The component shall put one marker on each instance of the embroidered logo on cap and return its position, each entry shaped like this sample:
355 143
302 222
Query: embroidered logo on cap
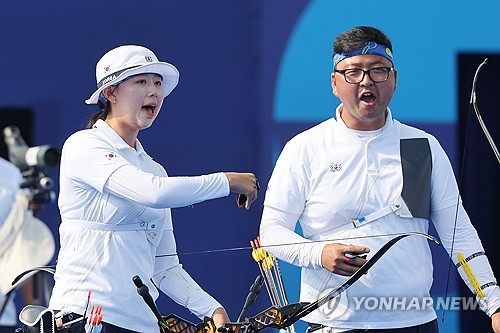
107 68
148 58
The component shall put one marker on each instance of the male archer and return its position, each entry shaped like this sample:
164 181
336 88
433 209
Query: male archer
364 173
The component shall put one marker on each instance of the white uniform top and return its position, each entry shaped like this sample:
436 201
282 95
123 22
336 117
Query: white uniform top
9 185
108 191
329 175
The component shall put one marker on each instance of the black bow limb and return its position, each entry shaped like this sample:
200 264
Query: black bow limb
282 317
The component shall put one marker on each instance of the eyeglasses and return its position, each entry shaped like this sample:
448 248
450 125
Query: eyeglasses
356 75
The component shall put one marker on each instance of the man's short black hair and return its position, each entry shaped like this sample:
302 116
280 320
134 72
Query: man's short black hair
356 37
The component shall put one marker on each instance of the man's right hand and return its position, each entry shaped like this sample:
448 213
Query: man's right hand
334 259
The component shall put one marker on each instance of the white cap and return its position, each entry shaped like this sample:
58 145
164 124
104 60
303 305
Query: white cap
124 61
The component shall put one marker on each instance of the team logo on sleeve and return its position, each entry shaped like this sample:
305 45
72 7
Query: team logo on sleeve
111 155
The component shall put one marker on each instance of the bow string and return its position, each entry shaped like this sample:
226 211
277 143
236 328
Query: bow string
472 105
245 248
285 316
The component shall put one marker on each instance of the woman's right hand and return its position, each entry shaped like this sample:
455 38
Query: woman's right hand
244 184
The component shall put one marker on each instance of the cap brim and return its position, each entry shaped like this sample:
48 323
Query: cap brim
168 72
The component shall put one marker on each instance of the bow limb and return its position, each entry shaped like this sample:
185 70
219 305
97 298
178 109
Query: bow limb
473 102
360 272
473 105
281 317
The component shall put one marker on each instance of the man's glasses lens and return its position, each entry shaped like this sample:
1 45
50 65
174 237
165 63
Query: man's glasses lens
377 74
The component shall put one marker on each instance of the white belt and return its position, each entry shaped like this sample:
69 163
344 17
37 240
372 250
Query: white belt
154 229
112 227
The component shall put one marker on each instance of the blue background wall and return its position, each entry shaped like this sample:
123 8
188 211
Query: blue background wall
253 74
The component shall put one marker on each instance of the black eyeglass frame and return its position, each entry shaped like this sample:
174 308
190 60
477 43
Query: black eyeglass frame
343 71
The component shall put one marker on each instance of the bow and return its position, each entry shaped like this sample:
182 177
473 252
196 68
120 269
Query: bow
473 103
276 317
285 316
281 317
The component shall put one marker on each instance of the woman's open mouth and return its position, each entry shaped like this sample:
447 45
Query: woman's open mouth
149 110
